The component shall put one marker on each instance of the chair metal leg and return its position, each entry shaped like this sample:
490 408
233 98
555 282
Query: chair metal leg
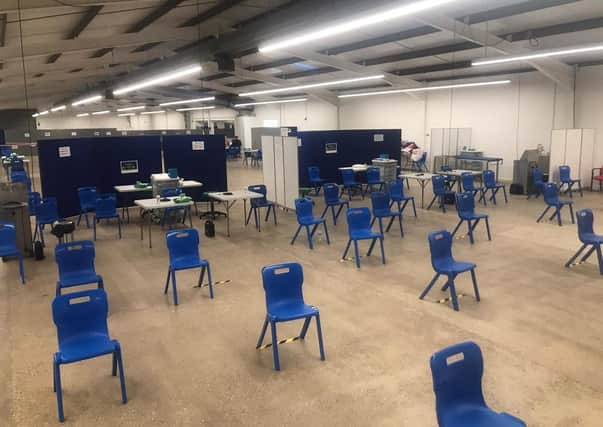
588 254
559 215
262 333
309 233
59 391
248 216
401 228
119 226
488 229
443 203
347 247
114 365
371 247
414 207
505 194
543 214
320 341
600 259
429 286
94 229
174 287
201 276
296 234
21 271
122 379
576 255
268 213
356 254
167 282
382 251
457 228
277 365
571 209
475 289
325 211
210 282
453 297
304 329
380 225
326 232
432 202
389 225
339 212
470 230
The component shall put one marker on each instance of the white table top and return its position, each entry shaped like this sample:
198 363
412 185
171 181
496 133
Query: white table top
235 195
356 168
421 176
149 204
459 172
133 189
23 158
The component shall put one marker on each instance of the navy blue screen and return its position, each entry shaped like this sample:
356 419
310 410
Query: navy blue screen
2 138
207 166
353 146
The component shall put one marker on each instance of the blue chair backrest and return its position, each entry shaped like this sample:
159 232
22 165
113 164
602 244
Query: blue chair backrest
283 284
585 223
183 243
87 196
489 178
396 189
457 378
258 189
551 193
170 192
5 151
468 184
72 257
538 179
258 155
358 219
8 235
314 173
373 174
331 193
564 173
16 164
18 176
465 203
380 201
47 210
106 205
303 208
33 200
348 177
173 172
440 247
439 184
80 313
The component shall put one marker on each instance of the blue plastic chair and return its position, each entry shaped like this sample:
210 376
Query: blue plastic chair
17 165
373 177
33 200
8 245
566 180
469 185
491 185
305 218
21 177
440 191
284 303
396 194
315 180
234 151
87 197
359 228
457 373
440 245
256 158
106 208
5 151
168 212
76 265
81 321
332 200
538 183
350 184
258 204
382 209
183 247
551 198
465 207
47 212
587 236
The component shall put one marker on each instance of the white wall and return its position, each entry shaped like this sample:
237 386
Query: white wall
310 115
505 120
589 106
68 120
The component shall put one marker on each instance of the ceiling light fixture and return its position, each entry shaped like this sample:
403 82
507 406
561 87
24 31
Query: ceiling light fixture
35 115
100 113
153 112
355 24
424 89
284 101
538 55
87 100
313 85
83 115
59 108
126 114
159 79
140 107
43 113
196 108
188 101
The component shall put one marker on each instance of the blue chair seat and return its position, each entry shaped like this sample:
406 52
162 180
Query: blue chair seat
590 239
364 234
8 251
474 215
456 267
86 346
383 213
311 220
286 312
78 278
472 416
184 263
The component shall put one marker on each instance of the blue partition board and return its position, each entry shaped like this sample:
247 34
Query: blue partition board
353 146
67 164
2 138
198 157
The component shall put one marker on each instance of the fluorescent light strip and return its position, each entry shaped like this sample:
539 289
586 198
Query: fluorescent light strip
43 113
126 114
188 101
196 108
425 89
284 101
355 24
140 107
160 79
313 85
83 115
100 113
60 108
153 112
87 100
35 115
548 54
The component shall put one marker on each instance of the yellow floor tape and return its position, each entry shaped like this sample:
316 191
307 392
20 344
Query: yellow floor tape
350 259
449 299
219 282
285 341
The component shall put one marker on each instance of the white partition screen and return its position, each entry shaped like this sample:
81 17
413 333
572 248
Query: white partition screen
281 170
268 167
574 148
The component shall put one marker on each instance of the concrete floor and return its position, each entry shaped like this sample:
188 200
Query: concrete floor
538 324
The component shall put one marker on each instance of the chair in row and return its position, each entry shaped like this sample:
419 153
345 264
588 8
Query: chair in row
565 182
359 228
256 206
350 184
307 220
551 200
8 245
442 188
589 238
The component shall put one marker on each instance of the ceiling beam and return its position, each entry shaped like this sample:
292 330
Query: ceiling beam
12 6
154 15
86 19
212 12
512 10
